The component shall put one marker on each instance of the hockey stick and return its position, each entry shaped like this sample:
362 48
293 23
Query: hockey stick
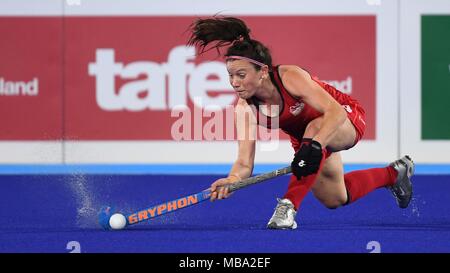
186 201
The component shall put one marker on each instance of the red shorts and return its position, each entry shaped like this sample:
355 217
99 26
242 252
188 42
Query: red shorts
357 117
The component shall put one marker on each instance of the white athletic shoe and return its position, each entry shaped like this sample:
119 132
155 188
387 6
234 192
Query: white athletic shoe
284 215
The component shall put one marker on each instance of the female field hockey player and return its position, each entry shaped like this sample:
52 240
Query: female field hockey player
320 120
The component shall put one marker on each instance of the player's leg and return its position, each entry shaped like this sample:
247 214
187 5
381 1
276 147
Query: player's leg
331 183
286 209
343 138
329 187
333 189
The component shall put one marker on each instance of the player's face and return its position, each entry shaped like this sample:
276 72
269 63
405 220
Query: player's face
244 78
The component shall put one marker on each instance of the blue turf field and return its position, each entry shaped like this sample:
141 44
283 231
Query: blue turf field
43 213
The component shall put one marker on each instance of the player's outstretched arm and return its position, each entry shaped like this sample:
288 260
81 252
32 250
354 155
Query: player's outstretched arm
243 166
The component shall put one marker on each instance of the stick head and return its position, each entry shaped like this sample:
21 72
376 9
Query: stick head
104 214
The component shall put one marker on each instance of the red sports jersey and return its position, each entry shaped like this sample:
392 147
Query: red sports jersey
295 114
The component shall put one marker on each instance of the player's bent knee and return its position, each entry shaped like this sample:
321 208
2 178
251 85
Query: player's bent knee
332 203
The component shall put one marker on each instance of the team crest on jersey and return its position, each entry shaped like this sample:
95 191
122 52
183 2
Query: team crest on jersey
347 108
297 108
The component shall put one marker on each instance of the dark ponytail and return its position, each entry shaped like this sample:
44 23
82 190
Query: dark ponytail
228 31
